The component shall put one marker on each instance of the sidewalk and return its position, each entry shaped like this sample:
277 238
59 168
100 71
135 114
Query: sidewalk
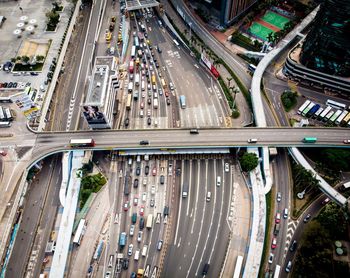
245 113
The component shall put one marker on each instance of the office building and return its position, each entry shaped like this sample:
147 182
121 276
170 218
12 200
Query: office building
327 46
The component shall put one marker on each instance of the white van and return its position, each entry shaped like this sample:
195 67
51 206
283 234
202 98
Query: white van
155 123
137 255
143 85
130 161
285 213
208 196
144 250
141 114
130 87
218 181
138 159
252 140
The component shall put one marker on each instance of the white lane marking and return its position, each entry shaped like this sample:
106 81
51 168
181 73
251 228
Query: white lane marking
178 216
200 230
195 207
189 190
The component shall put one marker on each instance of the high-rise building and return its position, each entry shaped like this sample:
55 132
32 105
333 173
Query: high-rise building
327 46
228 10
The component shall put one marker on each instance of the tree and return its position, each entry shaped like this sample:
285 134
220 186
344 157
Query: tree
314 258
332 218
336 159
248 161
303 179
53 17
25 59
270 37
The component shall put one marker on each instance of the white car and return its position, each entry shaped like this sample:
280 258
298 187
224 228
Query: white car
271 258
144 197
131 246
132 229
227 167
139 236
153 189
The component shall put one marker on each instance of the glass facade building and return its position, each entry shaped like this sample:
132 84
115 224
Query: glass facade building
327 46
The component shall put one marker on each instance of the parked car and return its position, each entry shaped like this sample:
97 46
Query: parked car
274 243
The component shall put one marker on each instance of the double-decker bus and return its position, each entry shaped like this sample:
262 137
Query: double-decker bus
335 104
81 143
303 106
131 67
133 51
251 68
128 102
341 117
5 124
80 232
136 42
335 116
325 112
307 109
238 267
346 119
309 139
183 101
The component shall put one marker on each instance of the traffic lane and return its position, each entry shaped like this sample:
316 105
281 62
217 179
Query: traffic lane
193 247
207 220
313 210
31 215
211 237
183 250
118 139
81 81
233 60
218 253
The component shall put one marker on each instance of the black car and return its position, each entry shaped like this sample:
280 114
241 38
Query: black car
146 170
142 223
136 183
168 101
149 121
15 85
307 218
159 50
34 73
144 142
138 171
149 101
293 246
125 263
4 85
157 65
126 122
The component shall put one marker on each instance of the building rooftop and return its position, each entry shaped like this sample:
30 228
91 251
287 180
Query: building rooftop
97 88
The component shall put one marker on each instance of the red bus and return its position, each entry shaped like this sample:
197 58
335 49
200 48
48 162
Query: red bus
131 67
81 143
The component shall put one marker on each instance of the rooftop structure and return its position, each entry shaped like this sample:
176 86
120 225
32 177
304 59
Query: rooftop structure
99 102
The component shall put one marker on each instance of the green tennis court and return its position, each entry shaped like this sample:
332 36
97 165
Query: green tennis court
260 30
275 19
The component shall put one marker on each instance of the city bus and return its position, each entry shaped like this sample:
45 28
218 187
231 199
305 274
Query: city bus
325 112
149 222
136 42
162 81
8 114
318 113
176 43
277 271
313 110
335 104
309 139
251 68
183 101
5 124
80 232
346 119
238 267
5 99
303 106
335 116
328 116
77 143
307 109
341 117
128 102
133 51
